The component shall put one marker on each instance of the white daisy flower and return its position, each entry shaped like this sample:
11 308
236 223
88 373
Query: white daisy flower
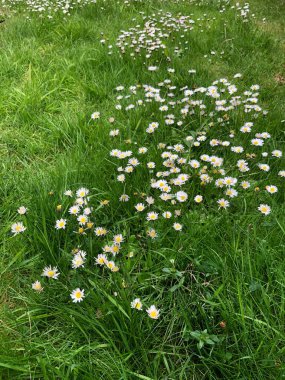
77 295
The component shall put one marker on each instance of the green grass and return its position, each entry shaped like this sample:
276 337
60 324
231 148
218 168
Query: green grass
227 266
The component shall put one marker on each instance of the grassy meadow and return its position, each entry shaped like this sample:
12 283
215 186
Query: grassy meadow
125 137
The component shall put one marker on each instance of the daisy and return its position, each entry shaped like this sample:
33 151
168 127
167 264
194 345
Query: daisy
77 295
118 239
22 210
136 304
124 198
121 177
142 150
74 210
133 161
223 203
152 68
87 211
167 214
150 130
152 233
110 264
264 209
95 115
245 129
68 193
101 259
17 228
140 207
154 124
78 260
220 182
177 226
257 142
60 224
151 165
264 167
50 272
245 184
230 181
82 219
271 189
277 153
237 149
194 164
183 177
152 216
153 312
82 192
107 248
231 193
198 199
37 286
129 169
79 201
80 231
115 249
114 132
181 196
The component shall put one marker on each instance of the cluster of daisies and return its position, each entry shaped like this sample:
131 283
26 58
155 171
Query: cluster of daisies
196 150
199 146
44 8
79 219
243 11
152 37
152 311
82 221
19 227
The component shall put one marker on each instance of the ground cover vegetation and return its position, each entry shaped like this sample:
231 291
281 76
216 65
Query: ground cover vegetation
142 189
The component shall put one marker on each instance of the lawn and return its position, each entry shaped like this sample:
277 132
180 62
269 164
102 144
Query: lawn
142 189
